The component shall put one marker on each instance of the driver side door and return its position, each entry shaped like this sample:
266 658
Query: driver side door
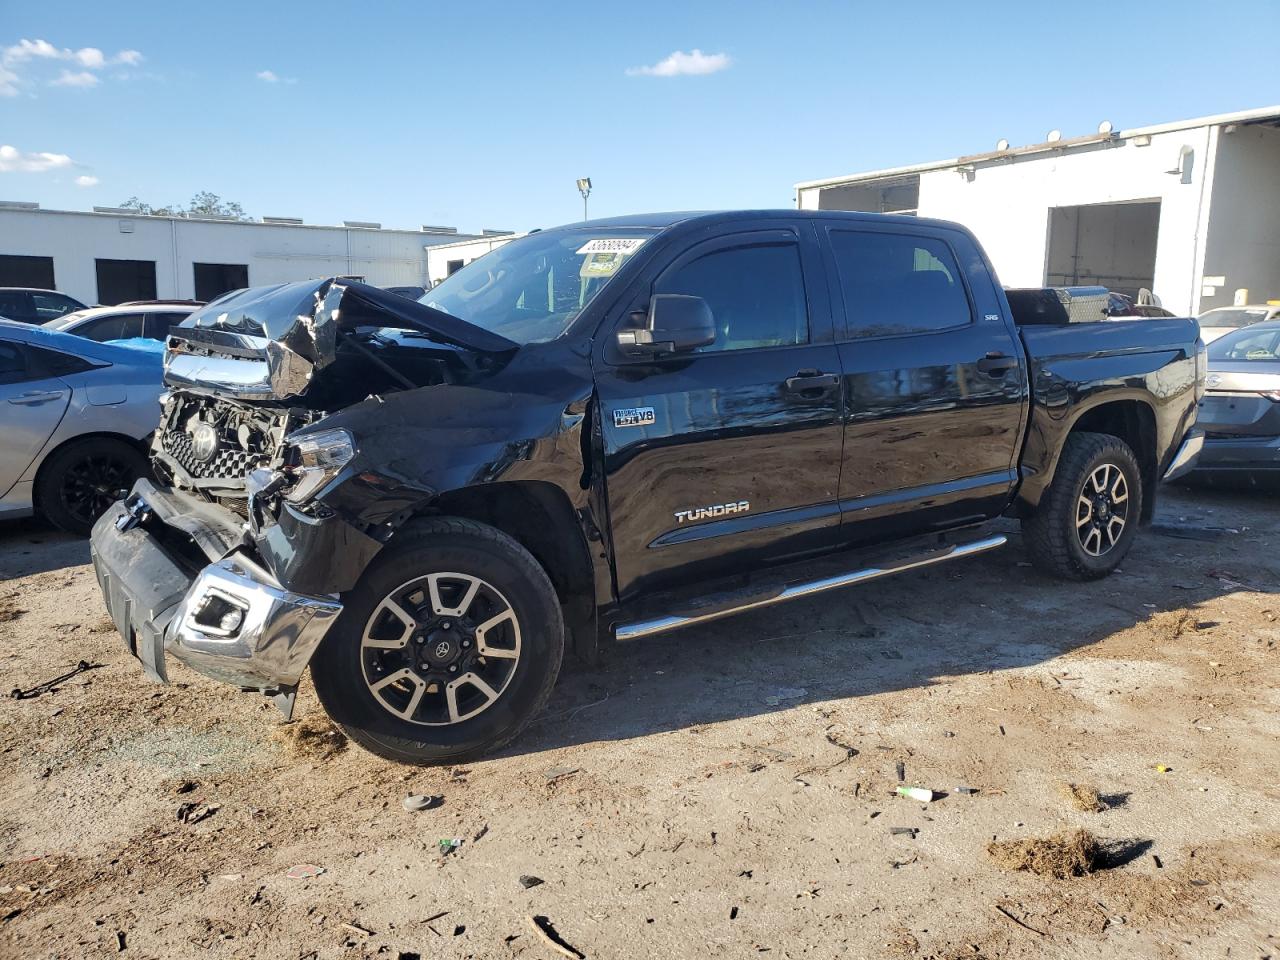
726 457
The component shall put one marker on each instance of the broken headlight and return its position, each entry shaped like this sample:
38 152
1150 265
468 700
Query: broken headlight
315 459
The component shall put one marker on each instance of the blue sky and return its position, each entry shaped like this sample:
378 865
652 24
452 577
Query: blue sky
482 115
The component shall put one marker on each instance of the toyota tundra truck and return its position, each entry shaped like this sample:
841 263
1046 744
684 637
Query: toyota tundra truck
606 431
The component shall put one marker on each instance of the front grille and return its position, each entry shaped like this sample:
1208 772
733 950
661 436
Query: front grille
227 464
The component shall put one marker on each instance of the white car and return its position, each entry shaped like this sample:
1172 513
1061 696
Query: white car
149 320
1216 323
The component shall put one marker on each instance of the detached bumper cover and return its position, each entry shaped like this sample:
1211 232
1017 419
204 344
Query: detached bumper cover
231 621
1184 461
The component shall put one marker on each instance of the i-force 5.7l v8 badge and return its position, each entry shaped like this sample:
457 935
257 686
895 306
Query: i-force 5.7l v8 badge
707 513
633 416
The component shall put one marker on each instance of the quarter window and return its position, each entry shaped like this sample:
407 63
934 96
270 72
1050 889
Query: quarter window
756 295
13 365
895 284
124 326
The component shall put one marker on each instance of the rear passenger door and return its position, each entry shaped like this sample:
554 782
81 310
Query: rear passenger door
32 403
935 387
728 456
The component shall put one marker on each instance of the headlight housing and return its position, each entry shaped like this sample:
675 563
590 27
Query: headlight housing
313 460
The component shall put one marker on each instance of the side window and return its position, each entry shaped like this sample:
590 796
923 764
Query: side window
895 284
13 364
16 305
42 363
122 326
756 295
50 306
158 324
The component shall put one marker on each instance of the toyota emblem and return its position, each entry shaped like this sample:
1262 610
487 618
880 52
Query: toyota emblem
204 441
442 649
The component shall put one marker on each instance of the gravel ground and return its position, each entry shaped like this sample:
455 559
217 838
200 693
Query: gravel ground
726 791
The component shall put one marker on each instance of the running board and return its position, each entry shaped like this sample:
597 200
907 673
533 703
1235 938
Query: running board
724 605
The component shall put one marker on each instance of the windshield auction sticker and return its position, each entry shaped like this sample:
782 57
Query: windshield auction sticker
620 245
601 264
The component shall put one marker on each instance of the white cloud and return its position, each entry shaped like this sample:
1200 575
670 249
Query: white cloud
270 76
680 64
86 181
88 58
79 78
13 160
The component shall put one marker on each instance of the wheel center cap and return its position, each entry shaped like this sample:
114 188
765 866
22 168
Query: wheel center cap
442 647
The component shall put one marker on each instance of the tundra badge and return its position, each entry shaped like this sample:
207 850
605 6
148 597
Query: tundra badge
719 510
633 416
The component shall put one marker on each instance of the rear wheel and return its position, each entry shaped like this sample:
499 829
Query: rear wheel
446 649
1087 519
78 483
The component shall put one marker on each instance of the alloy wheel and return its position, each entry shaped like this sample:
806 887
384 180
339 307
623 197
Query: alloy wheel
1102 509
440 649
93 484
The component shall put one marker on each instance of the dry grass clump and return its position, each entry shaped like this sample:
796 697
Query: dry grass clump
1083 797
1073 853
314 737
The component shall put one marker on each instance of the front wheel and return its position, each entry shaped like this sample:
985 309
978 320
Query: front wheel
80 481
446 649
1087 519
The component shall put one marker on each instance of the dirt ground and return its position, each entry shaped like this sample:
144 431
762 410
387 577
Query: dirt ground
726 791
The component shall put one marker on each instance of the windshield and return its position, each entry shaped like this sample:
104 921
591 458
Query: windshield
531 289
1233 318
1255 344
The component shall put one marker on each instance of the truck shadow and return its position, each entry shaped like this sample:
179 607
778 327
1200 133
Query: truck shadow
911 632
31 545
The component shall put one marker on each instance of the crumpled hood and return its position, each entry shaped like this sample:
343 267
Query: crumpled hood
290 332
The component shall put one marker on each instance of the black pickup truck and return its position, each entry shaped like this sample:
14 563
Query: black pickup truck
610 430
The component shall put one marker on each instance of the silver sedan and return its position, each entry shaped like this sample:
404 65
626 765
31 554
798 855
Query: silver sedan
75 418
1240 412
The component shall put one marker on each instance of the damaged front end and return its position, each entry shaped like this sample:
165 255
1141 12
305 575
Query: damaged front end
233 562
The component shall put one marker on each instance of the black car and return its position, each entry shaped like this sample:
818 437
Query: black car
606 431
32 305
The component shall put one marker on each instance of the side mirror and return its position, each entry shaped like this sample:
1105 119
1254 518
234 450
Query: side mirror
675 324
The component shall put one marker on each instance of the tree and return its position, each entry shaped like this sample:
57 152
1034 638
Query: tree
203 204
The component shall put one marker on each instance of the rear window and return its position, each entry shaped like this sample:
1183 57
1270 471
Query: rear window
895 284
1232 318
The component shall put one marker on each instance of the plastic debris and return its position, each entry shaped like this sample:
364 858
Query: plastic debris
1161 768
304 871
915 793
967 790
421 801
449 844
529 882
904 832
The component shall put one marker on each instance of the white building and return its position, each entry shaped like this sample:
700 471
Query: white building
448 258
1189 210
112 255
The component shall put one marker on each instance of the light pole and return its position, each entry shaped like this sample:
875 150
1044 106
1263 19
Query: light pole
584 188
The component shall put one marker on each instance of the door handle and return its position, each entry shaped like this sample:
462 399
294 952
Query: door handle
31 398
812 382
995 363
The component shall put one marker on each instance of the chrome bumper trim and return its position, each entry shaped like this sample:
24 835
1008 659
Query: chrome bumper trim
646 628
1185 460
275 639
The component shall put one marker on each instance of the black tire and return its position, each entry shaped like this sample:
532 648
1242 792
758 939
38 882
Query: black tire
1052 533
80 481
432 546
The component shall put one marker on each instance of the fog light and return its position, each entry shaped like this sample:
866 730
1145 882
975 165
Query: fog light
218 615
231 620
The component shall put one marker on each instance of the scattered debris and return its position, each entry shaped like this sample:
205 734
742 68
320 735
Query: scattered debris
528 881
421 801
915 793
559 773
304 871
733 913
313 737
479 834
194 811
1083 797
357 929
904 832
1070 854
49 686
1005 913
1161 768
968 791
902 771
450 844
545 932
120 941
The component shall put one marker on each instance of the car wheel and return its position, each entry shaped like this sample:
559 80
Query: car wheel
447 647
1087 519
77 484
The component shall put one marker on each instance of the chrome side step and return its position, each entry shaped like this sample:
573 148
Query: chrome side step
647 628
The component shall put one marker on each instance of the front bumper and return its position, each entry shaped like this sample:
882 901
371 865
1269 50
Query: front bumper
162 601
1184 461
